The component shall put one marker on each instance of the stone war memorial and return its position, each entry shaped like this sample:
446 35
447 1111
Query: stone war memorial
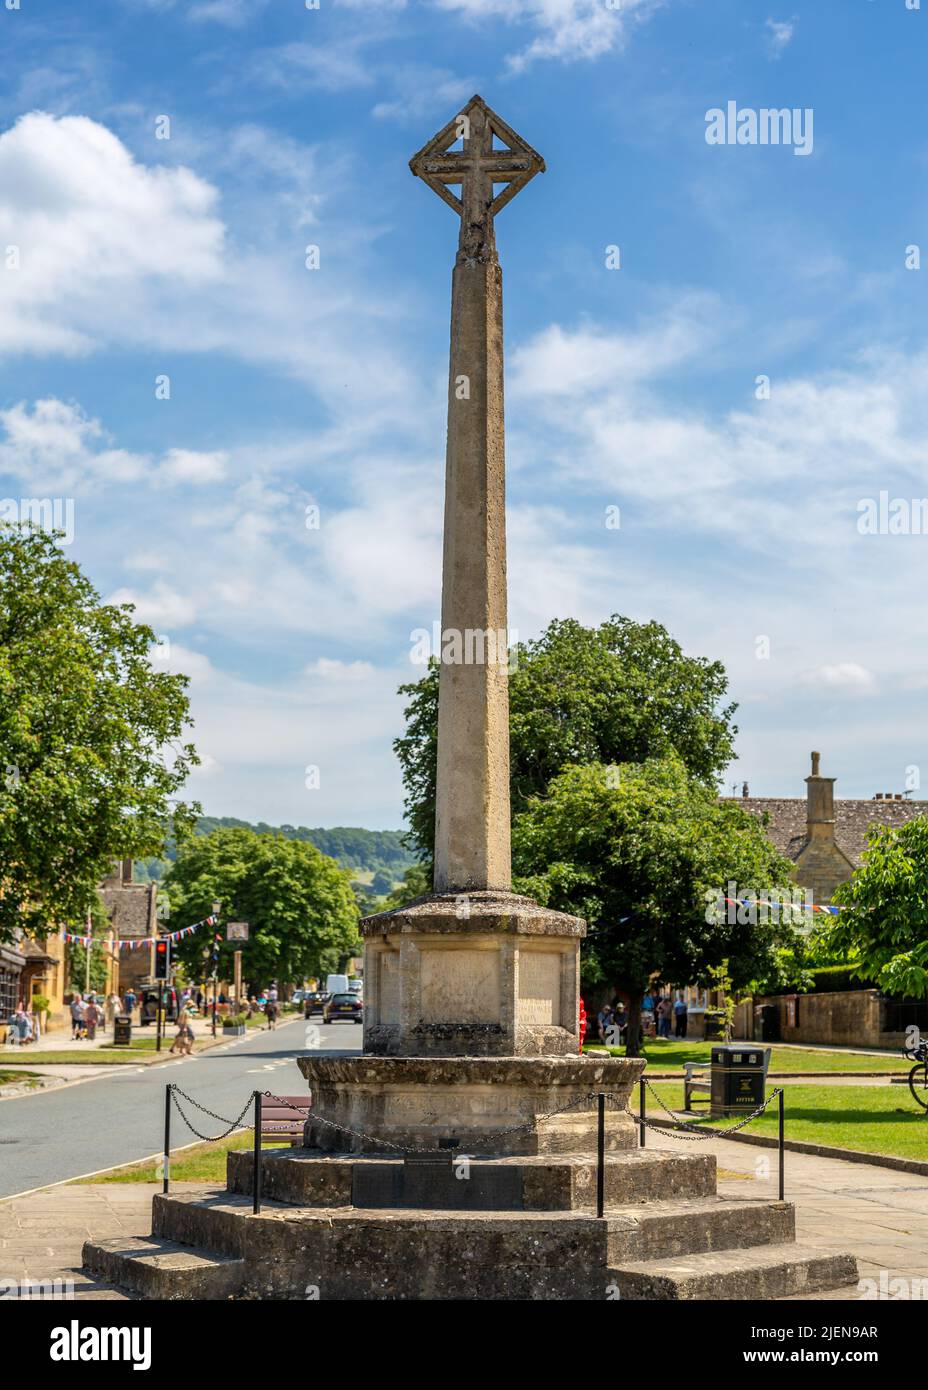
456 1158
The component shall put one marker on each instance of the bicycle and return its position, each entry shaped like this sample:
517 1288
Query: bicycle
918 1076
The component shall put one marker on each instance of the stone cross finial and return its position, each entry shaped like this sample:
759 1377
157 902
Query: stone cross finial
815 762
477 167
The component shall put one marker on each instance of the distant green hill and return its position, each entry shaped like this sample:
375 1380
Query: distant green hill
377 858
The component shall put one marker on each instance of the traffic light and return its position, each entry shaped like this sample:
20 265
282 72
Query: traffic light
162 959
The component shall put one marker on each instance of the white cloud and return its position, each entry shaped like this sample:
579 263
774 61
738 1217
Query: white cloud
846 676
569 30
330 670
778 34
162 607
56 447
86 218
189 466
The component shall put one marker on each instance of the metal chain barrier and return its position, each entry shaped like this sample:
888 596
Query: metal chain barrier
210 1138
695 1132
674 1130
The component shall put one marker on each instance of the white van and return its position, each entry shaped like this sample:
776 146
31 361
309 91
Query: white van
336 984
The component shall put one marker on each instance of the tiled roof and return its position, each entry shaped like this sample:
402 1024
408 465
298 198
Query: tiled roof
786 825
131 907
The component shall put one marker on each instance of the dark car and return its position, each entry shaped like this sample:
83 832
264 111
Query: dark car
314 1001
148 1005
347 1007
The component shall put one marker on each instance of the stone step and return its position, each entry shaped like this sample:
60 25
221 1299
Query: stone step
163 1268
306 1178
765 1272
668 1230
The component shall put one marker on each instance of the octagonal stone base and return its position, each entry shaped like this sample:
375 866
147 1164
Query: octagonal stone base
471 974
474 1105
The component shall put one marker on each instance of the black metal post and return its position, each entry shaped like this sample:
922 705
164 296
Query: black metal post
256 1186
601 1155
780 1098
215 988
642 1104
167 1137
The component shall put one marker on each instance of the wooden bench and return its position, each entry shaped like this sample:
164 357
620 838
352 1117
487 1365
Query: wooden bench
282 1121
696 1076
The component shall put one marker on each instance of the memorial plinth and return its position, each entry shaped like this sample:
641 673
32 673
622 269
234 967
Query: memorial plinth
489 1105
481 974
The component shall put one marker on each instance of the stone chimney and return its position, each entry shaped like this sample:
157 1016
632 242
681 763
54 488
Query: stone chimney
820 804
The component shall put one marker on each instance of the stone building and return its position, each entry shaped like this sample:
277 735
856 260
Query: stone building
133 912
826 838
32 966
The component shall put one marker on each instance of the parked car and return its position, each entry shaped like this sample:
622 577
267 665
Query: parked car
148 1005
314 1001
348 1008
356 986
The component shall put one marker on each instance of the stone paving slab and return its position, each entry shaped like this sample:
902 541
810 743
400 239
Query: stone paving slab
42 1235
878 1214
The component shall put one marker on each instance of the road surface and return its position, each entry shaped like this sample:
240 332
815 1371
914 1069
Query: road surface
118 1118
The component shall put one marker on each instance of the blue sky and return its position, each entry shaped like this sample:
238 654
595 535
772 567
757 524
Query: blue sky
138 257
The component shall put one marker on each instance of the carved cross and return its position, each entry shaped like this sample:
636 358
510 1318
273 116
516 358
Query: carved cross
477 168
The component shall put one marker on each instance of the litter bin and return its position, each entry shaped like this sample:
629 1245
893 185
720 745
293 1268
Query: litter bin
737 1079
122 1030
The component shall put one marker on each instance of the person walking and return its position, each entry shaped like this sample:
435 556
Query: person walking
270 1010
183 1039
77 1008
92 1017
679 1017
664 1011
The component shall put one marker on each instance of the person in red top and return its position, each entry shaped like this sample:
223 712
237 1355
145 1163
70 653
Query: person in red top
582 1023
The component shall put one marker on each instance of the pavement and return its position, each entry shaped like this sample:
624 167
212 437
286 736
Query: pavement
878 1214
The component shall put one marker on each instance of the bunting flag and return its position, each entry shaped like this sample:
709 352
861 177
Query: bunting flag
133 942
804 908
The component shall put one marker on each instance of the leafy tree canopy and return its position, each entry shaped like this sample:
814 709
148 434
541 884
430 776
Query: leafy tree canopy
643 852
298 904
883 930
89 752
619 693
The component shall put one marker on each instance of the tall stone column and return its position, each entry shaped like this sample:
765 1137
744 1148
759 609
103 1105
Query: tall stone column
472 790
470 992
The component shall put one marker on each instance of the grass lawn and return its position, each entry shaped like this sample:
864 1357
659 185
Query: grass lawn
869 1119
8 1078
666 1054
93 1055
203 1163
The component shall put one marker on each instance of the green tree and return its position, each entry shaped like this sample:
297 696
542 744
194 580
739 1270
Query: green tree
883 928
89 752
619 693
643 852
417 881
298 903
100 930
